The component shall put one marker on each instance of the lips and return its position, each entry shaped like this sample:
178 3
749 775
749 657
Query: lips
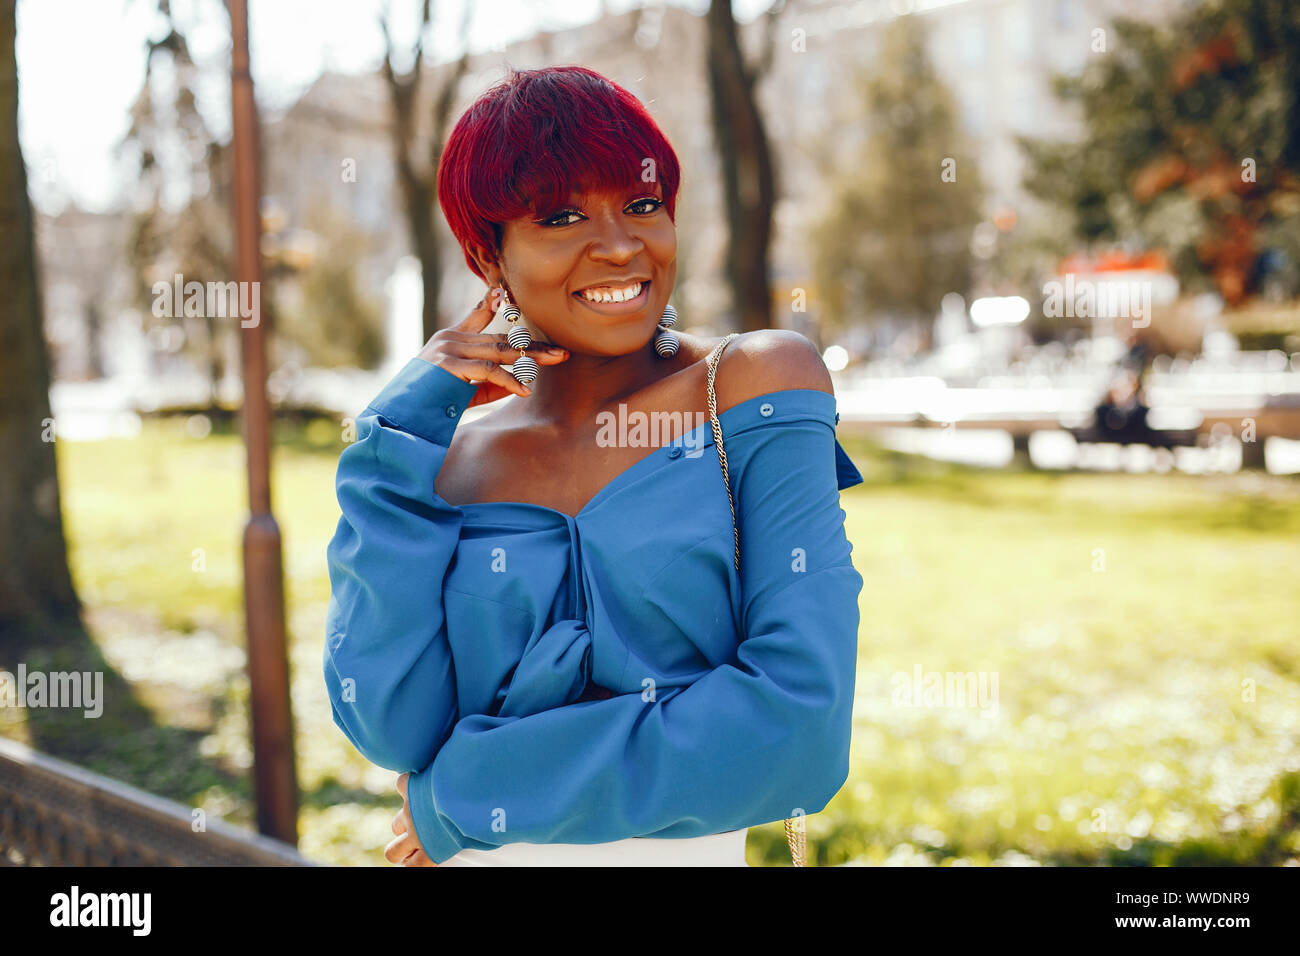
615 282
627 307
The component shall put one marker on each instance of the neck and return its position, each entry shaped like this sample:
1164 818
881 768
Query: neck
573 392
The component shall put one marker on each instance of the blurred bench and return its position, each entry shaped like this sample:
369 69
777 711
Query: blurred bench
53 813
1135 423
1152 437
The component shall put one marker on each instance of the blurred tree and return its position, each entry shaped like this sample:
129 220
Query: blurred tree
748 176
40 613
181 223
35 585
418 177
1191 144
323 310
897 236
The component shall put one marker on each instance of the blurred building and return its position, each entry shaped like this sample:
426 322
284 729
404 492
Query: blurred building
999 57
330 155
328 158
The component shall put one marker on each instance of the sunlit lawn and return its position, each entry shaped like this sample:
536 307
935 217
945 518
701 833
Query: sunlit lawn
1144 632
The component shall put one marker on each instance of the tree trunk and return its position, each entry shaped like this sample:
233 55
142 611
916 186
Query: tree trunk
417 181
419 218
747 174
94 340
35 585
215 365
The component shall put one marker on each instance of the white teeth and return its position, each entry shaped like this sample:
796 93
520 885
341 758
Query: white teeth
605 294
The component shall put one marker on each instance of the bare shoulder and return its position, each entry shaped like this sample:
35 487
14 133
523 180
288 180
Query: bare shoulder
769 360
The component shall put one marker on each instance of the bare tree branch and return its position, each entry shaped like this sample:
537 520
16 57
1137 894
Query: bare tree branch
748 176
447 95
418 180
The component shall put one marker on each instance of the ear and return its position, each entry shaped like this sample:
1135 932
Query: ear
488 264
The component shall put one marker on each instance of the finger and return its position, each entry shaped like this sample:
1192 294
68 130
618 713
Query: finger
460 336
497 349
488 392
478 371
486 370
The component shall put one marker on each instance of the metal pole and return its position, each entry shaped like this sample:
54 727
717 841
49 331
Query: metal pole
274 780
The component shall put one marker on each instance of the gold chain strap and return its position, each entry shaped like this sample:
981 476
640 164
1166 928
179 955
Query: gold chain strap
798 844
717 438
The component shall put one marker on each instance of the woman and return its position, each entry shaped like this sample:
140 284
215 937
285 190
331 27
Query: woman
561 640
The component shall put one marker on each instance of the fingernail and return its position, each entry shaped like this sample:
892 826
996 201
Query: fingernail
554 351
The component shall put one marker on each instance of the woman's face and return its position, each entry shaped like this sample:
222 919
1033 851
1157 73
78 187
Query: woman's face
609 241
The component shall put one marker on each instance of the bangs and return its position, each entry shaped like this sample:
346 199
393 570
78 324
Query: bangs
614 163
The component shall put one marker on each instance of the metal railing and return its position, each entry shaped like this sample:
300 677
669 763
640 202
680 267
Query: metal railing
53 813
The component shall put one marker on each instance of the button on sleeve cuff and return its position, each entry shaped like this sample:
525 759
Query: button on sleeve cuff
425 400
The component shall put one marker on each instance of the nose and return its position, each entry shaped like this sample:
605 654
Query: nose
616 241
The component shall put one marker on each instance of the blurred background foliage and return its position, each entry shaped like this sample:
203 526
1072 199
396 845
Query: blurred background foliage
897 234
1191 145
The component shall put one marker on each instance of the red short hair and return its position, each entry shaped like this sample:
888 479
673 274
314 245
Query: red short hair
529 141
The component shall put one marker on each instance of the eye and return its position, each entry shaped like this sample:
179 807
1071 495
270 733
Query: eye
656 204
552 221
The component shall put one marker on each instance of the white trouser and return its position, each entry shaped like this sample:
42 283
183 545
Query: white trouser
717 849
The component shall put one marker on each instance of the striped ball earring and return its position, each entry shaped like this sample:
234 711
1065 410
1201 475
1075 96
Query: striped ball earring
525 369
666 341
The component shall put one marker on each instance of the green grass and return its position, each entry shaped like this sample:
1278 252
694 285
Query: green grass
1125 617
1143 630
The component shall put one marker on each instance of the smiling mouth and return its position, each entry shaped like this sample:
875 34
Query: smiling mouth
609 303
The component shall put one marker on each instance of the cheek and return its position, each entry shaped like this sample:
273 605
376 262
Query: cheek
535 262
543 269
662 243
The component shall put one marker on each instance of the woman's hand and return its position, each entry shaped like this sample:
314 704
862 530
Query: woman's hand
469 354
405 850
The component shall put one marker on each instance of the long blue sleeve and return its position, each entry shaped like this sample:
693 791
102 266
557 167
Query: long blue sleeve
748 743
387 664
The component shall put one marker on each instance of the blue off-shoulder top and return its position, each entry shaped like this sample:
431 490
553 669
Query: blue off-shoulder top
464 643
